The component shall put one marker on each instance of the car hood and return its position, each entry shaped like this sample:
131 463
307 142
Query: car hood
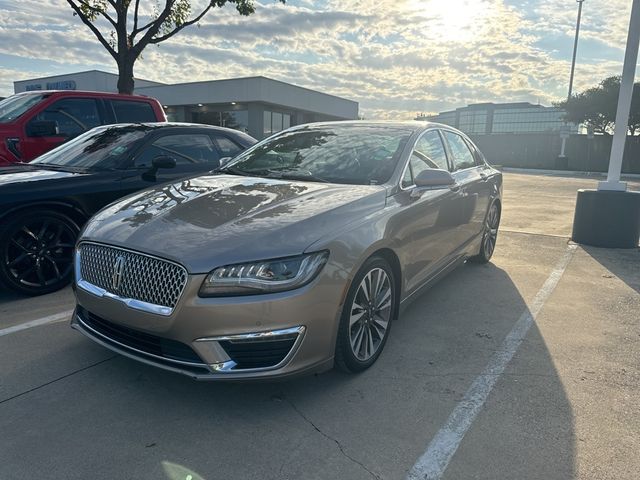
18 176
208 221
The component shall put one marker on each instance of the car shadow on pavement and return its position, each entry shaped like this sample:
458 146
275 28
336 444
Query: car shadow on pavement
123 419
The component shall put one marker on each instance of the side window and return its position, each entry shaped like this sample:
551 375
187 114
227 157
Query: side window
186 149
428 153
417 164
462 157
73 115
477 154
227 147
430 146
128 111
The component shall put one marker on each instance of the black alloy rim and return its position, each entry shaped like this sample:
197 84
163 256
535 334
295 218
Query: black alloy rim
40 253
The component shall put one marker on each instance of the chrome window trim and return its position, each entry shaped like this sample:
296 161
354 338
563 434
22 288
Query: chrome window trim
132 303
406 165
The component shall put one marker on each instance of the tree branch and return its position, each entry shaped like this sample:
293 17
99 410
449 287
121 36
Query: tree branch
93 28
135 19
180 27
97 10
153 27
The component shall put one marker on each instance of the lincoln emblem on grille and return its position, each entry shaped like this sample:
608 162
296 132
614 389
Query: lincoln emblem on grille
118 269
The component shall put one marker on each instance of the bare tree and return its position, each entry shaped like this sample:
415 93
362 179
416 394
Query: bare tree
130 31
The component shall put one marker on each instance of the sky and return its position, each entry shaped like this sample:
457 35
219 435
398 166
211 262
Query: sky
396 58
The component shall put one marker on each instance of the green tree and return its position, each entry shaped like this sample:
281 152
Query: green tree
596 107
129 31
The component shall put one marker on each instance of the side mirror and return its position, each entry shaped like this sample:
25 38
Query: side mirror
163 161
43 128
432 179
224 160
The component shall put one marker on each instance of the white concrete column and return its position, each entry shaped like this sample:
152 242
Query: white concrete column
624 104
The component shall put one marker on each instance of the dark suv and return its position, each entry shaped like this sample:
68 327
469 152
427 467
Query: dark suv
33 123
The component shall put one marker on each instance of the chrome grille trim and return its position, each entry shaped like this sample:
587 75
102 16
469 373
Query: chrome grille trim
136 285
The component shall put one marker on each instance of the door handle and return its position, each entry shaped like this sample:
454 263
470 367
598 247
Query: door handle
455 187
484 176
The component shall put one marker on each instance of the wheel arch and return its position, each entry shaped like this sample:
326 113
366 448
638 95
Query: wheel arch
69 209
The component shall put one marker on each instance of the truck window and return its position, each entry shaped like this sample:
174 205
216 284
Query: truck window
73 115
128 111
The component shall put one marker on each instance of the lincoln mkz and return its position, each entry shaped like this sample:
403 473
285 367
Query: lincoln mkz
297 255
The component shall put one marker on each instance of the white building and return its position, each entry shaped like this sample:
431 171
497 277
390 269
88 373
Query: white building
259 106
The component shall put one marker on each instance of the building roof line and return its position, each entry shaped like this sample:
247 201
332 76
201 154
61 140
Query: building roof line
251 78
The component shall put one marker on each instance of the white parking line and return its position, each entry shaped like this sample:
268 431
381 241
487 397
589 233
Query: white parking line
434 461
36 323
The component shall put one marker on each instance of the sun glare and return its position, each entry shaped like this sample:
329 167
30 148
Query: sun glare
452 20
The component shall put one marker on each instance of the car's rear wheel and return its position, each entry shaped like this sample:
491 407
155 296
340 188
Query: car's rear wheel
366 316
36 252
489 236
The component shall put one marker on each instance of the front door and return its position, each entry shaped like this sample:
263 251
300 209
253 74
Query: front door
73 117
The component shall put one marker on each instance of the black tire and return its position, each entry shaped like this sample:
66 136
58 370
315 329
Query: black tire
371 320
489 235
36 251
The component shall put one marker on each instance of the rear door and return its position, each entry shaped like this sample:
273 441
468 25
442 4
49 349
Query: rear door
474 188
72 115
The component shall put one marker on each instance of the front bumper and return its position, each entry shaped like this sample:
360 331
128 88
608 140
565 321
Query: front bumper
262 336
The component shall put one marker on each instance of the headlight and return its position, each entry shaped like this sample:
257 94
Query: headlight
263 277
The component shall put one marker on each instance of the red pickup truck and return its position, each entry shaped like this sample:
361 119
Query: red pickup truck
32 123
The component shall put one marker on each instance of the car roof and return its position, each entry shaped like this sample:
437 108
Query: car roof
407 124
84 93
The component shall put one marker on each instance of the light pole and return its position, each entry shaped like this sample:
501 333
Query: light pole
610 215
575 48
563 158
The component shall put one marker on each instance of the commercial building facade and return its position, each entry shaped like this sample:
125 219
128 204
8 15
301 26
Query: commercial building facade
258 105
503 118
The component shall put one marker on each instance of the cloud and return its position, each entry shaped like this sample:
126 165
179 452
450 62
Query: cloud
395 57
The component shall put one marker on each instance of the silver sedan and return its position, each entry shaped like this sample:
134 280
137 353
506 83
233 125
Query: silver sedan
295 256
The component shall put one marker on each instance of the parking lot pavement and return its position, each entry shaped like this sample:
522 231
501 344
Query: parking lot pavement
566 405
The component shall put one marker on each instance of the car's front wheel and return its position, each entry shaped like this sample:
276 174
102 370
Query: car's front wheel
36 252
366 316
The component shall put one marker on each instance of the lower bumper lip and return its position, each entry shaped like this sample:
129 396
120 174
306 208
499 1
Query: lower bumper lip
216 364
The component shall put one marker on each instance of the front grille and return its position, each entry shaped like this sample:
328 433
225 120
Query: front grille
141 341
259 353
144 278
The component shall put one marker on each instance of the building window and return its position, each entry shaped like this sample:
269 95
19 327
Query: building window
236 119
266 123
275 122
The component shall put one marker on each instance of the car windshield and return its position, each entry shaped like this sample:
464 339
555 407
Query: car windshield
100 148
352 154
14 106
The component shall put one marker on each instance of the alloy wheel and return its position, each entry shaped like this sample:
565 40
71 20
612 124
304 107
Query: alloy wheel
39 253
370 314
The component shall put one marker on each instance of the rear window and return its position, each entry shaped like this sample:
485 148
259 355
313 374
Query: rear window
128 111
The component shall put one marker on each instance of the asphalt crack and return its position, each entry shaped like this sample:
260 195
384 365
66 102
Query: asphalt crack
57 379
330 438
